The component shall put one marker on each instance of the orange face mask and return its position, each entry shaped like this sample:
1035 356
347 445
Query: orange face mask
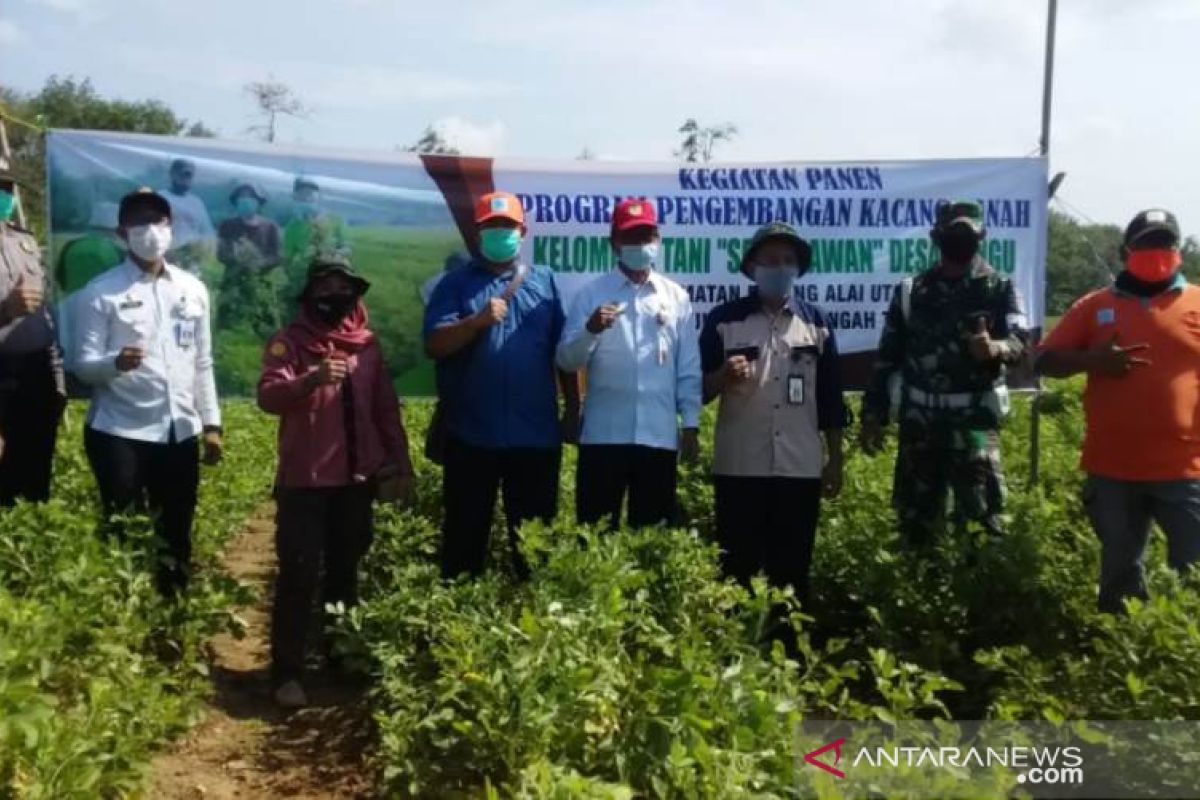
1153 266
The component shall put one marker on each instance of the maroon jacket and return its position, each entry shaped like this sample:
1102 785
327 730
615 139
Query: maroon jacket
314 423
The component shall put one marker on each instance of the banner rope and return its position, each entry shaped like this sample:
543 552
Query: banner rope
8 115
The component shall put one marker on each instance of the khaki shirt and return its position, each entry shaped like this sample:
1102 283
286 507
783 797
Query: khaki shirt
770 425
19 256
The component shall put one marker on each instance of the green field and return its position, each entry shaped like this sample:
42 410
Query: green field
626 667
397 261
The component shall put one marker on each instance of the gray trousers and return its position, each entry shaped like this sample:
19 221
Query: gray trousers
1121 513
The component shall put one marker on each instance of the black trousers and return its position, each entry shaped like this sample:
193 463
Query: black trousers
607 472
768 525
159 479
30 410
526 477
321 535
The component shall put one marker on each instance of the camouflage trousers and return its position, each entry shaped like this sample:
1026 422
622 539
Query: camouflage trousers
938 454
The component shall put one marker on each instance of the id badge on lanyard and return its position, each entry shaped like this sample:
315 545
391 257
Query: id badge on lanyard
795 381
185 334
795 387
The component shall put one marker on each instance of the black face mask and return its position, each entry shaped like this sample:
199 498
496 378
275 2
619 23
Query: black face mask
332 308
958 246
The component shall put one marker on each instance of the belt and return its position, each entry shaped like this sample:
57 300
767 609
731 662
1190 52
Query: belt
954 400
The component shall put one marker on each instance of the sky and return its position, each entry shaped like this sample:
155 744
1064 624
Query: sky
801 79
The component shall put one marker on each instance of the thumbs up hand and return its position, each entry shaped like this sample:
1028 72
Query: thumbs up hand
980 344
24 299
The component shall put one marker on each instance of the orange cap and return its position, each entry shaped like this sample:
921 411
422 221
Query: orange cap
503 205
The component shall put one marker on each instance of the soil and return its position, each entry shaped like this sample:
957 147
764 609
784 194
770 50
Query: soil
246 746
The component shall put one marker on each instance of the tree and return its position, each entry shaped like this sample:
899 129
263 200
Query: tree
274 98
1079 258
72 103
433 142
699 142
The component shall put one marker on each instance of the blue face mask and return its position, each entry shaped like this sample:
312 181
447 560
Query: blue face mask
7 203
500 245
775 282
306 208
246 206
638 257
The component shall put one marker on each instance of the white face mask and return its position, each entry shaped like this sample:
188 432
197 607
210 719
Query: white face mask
638 257
150 242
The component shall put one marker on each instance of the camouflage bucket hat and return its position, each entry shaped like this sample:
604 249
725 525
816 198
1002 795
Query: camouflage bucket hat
335 264
960 212
782 232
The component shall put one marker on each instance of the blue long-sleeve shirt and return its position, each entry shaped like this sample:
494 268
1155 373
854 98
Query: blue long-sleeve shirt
643 373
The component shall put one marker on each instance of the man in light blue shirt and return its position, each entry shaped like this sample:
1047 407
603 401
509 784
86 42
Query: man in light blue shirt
634 332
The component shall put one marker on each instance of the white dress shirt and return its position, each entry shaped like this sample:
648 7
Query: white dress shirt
643 373
168 316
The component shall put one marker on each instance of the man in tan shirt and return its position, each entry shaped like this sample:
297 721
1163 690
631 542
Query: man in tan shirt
32 393
773 361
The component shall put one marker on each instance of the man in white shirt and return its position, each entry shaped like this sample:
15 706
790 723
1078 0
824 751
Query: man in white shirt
634 331
145 345
193 237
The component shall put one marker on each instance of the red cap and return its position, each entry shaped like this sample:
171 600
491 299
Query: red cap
503 205
634 213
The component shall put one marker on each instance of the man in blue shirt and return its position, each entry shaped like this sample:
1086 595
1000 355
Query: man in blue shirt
492 328
634 331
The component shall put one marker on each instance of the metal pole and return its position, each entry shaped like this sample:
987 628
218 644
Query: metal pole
1035 417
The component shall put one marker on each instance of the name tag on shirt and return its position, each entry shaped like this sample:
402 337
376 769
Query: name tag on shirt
185 334
1106 316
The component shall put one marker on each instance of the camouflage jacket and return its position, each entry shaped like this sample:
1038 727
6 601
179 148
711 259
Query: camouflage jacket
929 348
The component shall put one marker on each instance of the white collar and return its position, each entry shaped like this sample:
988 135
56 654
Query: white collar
654 280
137 274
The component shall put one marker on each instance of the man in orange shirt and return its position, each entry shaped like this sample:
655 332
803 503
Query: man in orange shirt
1139 343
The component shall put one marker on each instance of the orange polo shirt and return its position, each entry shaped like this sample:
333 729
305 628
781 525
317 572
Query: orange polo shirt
1144 426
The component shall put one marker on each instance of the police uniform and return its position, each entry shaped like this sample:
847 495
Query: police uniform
32 393
949 405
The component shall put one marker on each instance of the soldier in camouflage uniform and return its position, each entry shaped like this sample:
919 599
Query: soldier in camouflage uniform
948 336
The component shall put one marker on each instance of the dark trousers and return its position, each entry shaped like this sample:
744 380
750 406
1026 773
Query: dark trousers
607 472
768 525
30 410
527 478
159 479
321 534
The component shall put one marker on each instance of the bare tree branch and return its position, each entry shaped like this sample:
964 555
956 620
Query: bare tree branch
274 98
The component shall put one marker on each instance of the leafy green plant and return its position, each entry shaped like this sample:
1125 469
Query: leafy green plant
96 671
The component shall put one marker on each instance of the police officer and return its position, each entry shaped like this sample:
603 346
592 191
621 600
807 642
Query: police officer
947 338
32 392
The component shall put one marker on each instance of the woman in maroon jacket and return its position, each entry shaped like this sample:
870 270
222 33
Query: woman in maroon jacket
341 442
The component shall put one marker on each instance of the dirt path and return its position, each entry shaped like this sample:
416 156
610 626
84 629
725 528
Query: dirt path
246 747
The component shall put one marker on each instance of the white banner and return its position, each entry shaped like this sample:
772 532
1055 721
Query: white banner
868 223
